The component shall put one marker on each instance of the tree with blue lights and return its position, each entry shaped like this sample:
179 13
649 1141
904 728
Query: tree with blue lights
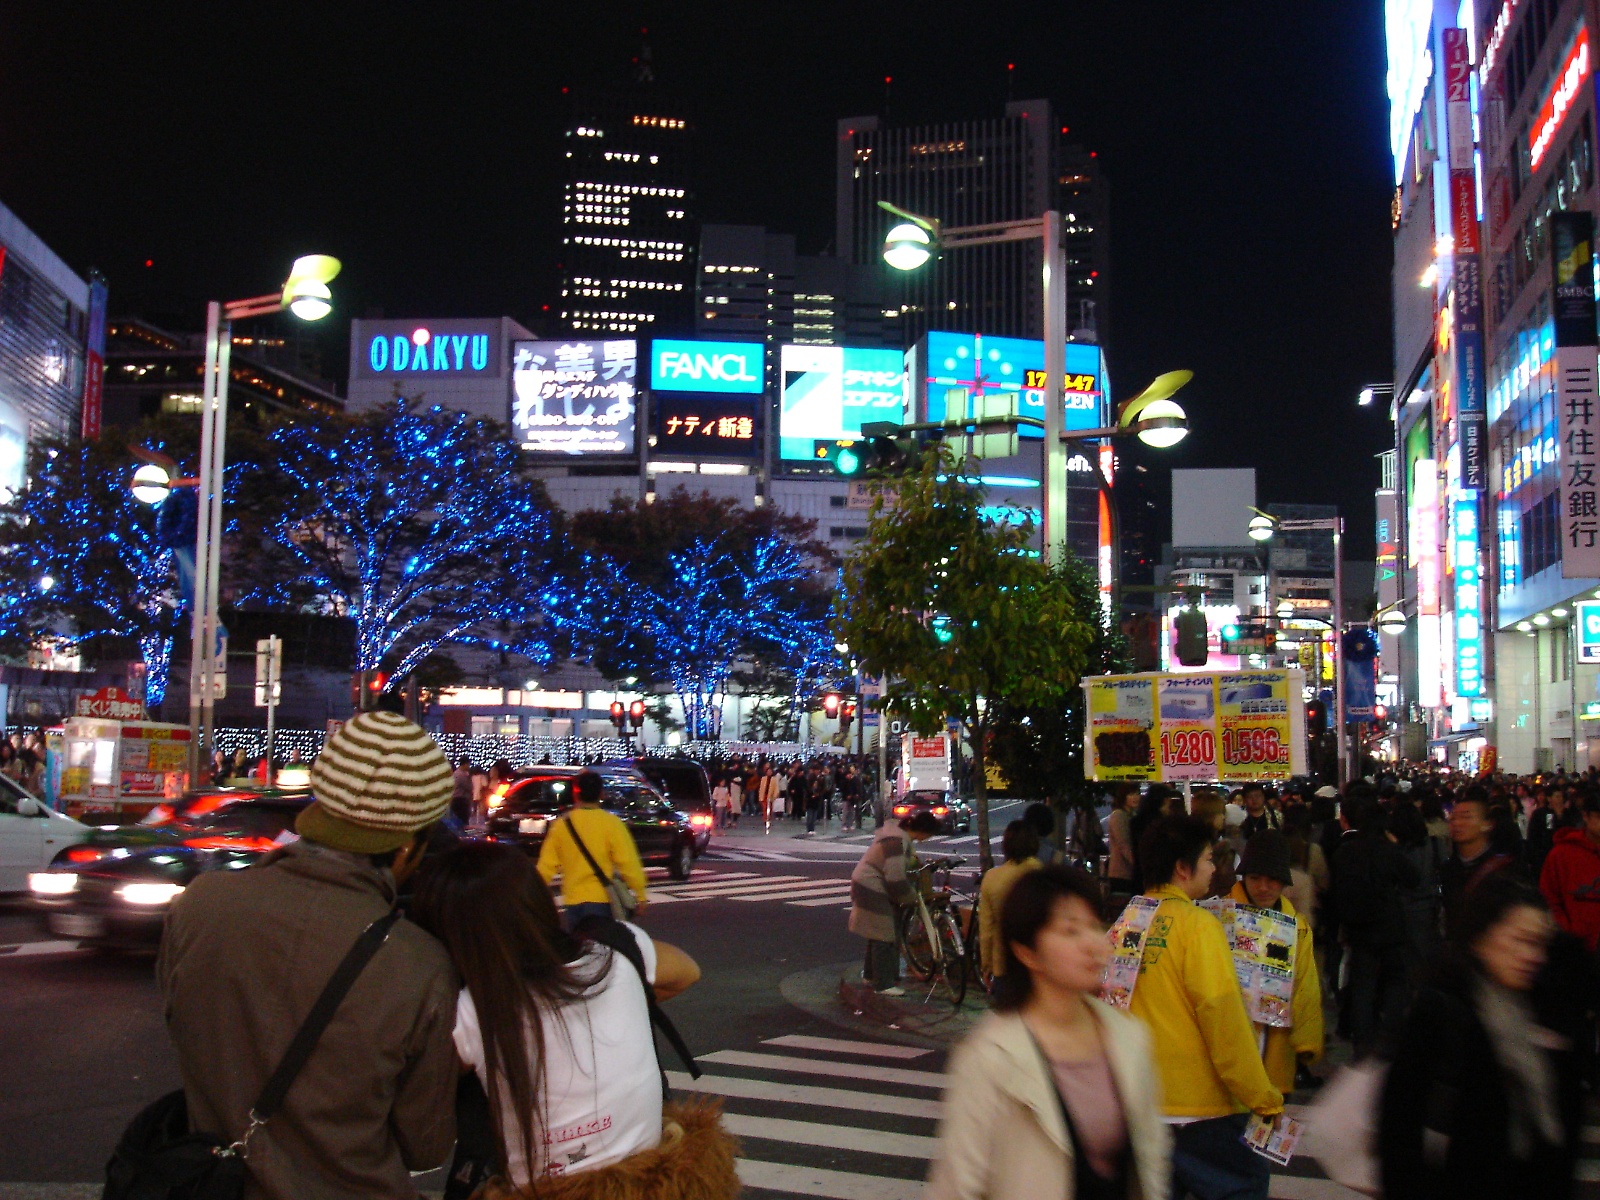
419 524
682 591
82 561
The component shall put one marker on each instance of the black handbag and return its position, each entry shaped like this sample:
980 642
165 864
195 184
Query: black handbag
160 1158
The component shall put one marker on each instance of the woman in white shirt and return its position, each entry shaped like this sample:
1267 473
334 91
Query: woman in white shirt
562 1043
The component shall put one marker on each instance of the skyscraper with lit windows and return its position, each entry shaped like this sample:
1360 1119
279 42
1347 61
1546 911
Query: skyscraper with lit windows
628 227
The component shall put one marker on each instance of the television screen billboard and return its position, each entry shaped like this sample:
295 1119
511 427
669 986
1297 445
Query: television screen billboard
574 397
962 365
677 366
828 392
696 425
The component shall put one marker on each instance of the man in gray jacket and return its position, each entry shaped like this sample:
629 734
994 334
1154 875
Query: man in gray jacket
878 886
246 953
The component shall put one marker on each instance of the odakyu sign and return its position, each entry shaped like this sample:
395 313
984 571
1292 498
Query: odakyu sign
462 349
679 366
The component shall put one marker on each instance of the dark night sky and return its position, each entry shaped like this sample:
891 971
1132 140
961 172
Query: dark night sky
1245 141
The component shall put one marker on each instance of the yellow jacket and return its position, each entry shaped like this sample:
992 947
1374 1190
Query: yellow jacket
1305 1035
608 840
992 893
1188 995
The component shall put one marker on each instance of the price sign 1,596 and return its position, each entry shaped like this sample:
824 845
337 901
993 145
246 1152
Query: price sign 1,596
1253 745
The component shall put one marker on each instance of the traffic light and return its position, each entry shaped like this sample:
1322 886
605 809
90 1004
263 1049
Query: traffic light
830 704
843 456
1247 637
1316 718
847 714
619 716
1192 649
366 687
636 714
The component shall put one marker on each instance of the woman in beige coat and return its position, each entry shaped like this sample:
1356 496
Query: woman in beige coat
1055 1094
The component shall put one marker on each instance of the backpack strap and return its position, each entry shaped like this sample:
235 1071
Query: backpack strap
612 934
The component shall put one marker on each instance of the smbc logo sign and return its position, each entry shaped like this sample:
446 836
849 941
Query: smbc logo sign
1589 631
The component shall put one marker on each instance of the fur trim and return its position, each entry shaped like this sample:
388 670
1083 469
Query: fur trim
693 1162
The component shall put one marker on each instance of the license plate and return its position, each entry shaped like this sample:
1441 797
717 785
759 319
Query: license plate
530 825
77 925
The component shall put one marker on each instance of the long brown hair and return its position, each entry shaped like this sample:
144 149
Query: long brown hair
494 914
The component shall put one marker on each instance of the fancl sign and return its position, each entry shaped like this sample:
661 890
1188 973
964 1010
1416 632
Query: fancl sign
706 366
456 348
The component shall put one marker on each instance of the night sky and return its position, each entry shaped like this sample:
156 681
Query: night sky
1245 142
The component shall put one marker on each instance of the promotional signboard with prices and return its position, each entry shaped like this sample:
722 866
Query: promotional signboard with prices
925 763
574 397
1195 727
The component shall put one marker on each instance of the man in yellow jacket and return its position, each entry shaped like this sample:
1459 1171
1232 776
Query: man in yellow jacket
1212 1076
1263 874
583 893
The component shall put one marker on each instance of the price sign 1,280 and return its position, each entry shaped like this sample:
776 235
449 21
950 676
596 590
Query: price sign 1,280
1188 747
1253 745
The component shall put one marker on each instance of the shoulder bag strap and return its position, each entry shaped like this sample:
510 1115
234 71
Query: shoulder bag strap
622 942
584 850
311 1029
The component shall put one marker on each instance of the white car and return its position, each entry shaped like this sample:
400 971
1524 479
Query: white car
31 834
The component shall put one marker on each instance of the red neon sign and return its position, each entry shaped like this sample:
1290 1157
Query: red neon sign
1559 103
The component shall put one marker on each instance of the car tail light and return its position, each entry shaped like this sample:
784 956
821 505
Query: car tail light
51 883
84 854
940 811
901 810
498 796
701 819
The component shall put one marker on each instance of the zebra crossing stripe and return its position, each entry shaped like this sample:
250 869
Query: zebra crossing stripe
801 1041
817 1181
842 898
833 889
690 890
798 1093
818 1066
831 1137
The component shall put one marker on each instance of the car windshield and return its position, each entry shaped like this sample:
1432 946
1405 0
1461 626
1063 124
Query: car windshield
929 798
539 795
250 820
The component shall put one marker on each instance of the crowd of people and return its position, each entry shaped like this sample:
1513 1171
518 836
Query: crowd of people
22 760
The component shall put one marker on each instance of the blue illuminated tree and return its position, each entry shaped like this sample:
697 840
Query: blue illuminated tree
420 525
82 561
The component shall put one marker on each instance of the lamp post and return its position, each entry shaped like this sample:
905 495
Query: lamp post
305 294
1261 528
917 239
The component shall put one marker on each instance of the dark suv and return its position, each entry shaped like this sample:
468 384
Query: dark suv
537 799
687 788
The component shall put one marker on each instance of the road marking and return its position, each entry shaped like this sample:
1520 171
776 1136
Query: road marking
833 1137
801 1041
690 890
842 899
821 1066
815 1181
798 1093
833 890
28 949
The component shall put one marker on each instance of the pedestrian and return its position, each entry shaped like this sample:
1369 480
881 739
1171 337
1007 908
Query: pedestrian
1474 856
1482 1100
1543 819
1258 816
245 955
780 794
461 792
1421 901
1570 880
799 792
849 799
1119 830
1212 1075
879 886
734 781
1370 878
1053 1094
1043 820
1265 874
1020 846
590 849
767 793
1208 805
558 1031
722 800
1306 864
1151 808
819 791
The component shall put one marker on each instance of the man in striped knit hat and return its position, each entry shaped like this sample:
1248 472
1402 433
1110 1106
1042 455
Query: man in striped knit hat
246 953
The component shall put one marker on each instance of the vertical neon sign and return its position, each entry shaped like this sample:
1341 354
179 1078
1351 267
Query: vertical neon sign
1469 596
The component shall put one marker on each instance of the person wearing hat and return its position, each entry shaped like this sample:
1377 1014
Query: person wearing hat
1264 871
245 955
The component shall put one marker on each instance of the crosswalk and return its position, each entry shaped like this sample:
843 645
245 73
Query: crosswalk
747 887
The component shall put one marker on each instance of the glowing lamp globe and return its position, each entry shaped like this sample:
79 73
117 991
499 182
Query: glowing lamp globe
1261 528
305 292
907 247
1393 621
1162 423
151 484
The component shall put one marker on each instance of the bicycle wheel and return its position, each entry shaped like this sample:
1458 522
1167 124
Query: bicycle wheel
974 957
953 970
916 946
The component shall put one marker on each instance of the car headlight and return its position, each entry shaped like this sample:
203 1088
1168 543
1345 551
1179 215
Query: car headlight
52 883
149 894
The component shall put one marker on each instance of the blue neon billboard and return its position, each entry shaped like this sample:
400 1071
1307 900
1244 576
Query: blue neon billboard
961 366
827 393
680 366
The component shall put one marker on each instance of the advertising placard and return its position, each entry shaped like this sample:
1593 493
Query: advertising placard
574 397
1263 942
962 366
1188 706
826 393
695 425
1589 631
1577 397
1253 725
1121 727
678 366
1127 936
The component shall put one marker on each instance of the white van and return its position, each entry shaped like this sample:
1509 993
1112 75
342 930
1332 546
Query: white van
31 834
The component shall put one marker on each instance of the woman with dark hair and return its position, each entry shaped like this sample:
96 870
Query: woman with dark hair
1020 844
556 1027
1054 1094
1483 1098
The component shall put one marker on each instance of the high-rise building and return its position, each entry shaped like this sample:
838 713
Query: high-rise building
627 223
1012 168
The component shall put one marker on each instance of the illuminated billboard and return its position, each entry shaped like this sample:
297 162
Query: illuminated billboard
826 393
1408 28
455 349
677 366
696 425
961 366
574 397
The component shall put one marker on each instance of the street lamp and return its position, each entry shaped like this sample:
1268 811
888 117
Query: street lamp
304 293
907 247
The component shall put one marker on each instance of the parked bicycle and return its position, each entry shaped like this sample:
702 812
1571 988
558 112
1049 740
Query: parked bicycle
930 933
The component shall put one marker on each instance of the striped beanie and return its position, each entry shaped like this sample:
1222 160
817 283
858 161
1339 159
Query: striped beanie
378 780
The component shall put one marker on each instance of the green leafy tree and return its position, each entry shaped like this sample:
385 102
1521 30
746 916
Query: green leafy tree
947 602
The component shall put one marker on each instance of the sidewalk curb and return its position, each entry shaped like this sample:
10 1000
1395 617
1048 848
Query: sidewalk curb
829 994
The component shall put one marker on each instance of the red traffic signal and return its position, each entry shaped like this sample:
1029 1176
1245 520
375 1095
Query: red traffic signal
619 713
365 689
830 704
636 714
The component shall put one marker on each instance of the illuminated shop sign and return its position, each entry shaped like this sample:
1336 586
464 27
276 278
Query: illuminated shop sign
706 366
826 393
1559 103
694 425
574 397
1469 597
424 349
963 366
1408 26
1424 550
